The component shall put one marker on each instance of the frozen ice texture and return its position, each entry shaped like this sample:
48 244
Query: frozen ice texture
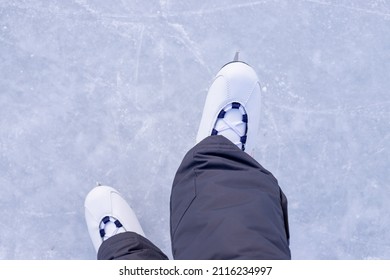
112 91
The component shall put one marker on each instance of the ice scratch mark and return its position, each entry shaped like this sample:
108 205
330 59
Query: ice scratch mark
161 54
382 145
139 49
185 39
211 10
355 9
366 109
164 7
279 144
183 36
47 215
86 7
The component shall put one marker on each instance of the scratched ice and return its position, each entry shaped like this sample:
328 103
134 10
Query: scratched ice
112 92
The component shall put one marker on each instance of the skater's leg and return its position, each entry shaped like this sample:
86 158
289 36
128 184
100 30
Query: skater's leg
114 229
224 205
129 246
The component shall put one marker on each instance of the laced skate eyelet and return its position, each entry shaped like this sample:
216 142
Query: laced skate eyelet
105 221
242 137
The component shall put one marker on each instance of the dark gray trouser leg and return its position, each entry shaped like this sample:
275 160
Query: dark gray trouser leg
225 205
129 246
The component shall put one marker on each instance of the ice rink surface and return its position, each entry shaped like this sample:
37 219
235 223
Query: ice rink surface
113 91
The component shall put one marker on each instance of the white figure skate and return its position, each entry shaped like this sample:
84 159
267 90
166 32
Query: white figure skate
232 107
107 214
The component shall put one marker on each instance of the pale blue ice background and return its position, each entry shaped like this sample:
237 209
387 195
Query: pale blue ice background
112 91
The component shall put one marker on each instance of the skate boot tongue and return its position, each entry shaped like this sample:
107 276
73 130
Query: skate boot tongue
232 123
110 226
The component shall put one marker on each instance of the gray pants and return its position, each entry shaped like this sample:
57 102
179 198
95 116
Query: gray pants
224 205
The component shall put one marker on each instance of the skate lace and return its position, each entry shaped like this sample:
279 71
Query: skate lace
110 226
237 123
